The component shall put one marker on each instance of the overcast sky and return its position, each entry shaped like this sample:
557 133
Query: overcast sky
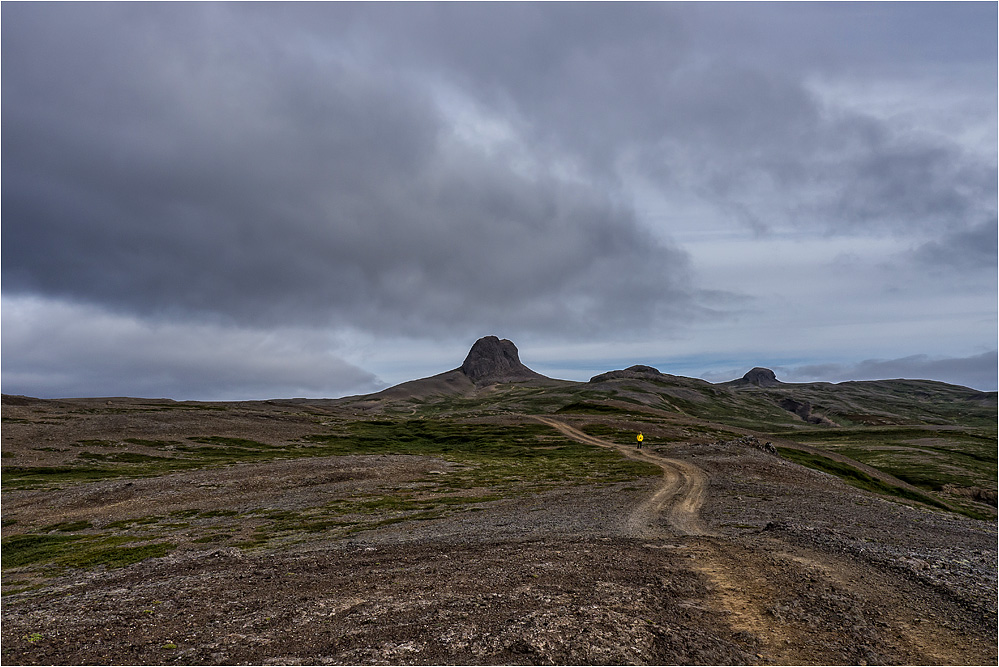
236 201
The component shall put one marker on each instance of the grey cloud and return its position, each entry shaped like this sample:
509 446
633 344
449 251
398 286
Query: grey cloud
974 247
685 92
270 163
56 350
188 169
978 371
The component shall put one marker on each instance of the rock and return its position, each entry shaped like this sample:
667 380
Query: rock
640 368
801 408
762 377
492 360
637 372
804 410
982 495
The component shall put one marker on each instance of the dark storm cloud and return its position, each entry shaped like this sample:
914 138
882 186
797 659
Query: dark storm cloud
187 167
705 105
464 168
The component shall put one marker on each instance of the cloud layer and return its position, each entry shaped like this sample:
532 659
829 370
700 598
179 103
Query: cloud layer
441 171
211 174
977 371
66 350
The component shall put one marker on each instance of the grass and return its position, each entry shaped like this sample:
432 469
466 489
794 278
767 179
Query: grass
81 551
493 454
924 457
488 462
855 477
210 451
27 477
67 527
593 408
122 457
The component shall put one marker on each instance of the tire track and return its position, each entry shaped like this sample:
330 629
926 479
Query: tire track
680 495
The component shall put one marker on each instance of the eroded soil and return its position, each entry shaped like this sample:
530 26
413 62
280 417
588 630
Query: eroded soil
732 556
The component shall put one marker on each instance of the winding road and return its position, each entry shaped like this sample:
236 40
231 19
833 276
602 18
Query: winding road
680 495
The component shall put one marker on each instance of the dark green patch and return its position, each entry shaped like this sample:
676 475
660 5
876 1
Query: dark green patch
99 443
67 527
928 458
76 551
22 477
122 457
216 513
156 444
20 550
855 477
593 408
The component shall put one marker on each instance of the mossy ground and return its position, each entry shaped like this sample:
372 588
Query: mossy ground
486 463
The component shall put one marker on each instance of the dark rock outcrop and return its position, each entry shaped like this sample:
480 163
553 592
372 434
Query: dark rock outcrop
801 408
637 372
762 377
804 410
491 361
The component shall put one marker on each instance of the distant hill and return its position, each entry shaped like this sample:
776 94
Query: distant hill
491 361
924 435
492 379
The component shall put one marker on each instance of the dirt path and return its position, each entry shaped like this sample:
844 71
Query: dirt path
680 495
737 590
747 586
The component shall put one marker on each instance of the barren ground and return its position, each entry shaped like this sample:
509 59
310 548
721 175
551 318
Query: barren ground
731 556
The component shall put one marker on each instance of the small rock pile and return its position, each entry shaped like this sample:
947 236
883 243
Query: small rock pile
750 441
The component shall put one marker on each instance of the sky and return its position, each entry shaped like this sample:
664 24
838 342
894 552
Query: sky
245 201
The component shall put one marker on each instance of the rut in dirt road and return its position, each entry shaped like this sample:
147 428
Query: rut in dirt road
680 495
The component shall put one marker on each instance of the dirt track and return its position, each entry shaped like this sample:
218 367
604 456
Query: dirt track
679 496
735 574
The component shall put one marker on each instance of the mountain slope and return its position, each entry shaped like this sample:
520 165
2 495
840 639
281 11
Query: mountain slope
917 436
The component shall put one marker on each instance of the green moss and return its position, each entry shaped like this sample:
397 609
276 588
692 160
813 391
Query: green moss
593 408
22 477
156 444
67 527
117 556
928 458
20 550
98 443
856 477
216 513
76 551
122 457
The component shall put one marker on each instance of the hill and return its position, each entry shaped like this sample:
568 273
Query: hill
918 436
489 514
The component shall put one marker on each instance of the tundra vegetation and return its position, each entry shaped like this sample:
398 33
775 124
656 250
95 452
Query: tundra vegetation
99 491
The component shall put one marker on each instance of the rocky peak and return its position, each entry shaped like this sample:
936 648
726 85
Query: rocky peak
640 368
761 377
637 372
492 360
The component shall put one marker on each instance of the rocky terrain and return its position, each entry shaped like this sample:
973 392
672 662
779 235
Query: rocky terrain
493 516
